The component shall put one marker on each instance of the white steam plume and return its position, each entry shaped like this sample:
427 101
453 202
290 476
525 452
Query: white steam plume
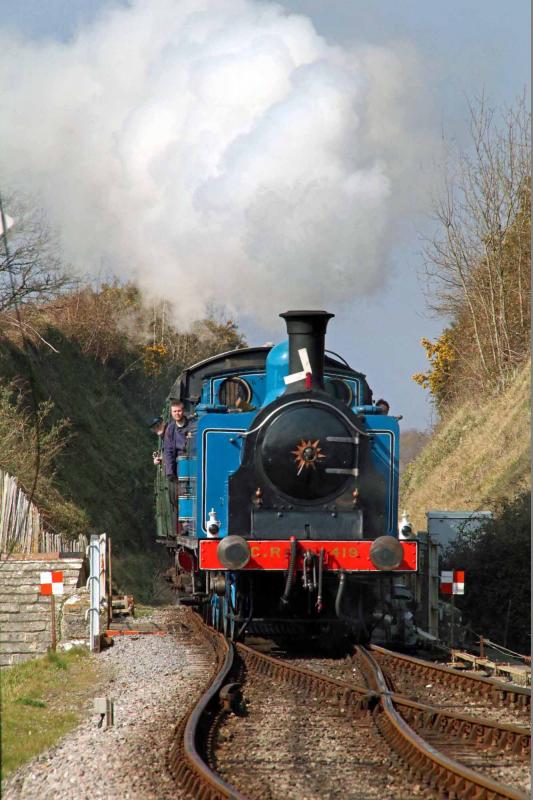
213 151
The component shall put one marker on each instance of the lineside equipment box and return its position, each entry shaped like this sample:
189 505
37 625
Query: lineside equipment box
445 526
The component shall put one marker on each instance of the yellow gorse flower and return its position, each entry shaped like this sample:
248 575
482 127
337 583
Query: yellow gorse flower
441 356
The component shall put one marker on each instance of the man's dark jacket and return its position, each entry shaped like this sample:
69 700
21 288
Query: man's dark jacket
174 445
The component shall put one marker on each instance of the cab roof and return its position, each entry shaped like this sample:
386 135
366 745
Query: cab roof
188 386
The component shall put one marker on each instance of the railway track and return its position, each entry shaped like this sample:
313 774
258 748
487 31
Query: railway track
443 754
480 693
424 737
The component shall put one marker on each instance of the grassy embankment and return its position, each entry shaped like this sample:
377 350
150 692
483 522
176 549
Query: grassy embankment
42 700
478 455
106 468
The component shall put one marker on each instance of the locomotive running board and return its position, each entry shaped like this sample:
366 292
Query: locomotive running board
274 555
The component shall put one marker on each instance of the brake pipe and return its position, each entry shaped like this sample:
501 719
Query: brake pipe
338 599
290 573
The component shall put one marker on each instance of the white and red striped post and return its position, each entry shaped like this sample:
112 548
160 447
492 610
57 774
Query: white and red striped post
452 582
52 585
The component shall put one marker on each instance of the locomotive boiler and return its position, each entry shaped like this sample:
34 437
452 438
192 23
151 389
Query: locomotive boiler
288 492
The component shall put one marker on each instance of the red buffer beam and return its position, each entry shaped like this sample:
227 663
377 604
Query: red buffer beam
275 554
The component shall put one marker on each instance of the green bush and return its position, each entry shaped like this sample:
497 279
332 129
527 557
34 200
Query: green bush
496 560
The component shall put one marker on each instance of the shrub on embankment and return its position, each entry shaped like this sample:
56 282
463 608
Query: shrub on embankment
31 457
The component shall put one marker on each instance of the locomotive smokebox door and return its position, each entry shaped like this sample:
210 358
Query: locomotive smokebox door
307 453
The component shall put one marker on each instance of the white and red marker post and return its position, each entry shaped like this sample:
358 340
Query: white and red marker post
52 585
452 582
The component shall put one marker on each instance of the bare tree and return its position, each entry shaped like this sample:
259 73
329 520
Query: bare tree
30 266
478 261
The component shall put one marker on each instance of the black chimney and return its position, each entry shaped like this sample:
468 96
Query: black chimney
306 330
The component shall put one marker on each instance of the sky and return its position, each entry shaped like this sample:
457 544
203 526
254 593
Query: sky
418 63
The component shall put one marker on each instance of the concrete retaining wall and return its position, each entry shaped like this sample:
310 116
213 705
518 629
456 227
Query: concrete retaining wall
25 614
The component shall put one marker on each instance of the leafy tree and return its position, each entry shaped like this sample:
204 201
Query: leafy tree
207 337
496 560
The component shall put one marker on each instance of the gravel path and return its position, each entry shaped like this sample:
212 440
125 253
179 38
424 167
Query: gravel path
152 680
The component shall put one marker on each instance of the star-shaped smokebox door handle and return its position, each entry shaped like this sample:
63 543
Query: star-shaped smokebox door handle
307 455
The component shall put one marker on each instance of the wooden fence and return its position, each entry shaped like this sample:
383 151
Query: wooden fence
21 526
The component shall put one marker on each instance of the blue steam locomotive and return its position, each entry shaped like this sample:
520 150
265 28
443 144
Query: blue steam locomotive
288 491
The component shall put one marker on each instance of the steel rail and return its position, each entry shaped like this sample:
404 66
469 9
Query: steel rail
442 772
507 694
483 732
186 762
